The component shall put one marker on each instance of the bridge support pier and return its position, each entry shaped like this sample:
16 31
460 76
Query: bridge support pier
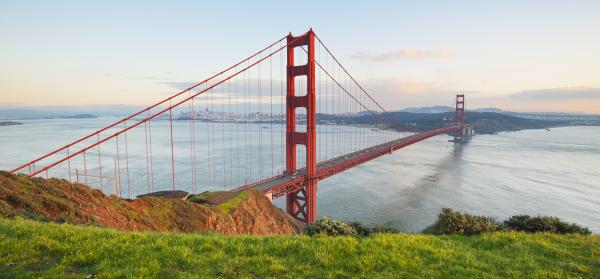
302 204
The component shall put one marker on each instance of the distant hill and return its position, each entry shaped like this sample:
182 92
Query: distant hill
484 122
82 115
434 109
26 112
10 123
442 109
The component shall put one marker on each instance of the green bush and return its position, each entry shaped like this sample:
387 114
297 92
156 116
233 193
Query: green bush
453 222
526 223
326 226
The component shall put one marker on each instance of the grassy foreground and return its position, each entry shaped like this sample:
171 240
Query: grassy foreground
33 249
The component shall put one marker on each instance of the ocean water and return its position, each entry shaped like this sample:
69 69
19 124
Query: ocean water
531 172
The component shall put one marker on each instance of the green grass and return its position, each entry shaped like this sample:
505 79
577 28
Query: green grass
202 197
34 249
231 204
225 207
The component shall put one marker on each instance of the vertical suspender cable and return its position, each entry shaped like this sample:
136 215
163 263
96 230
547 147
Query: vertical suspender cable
259 126
192 116
127 162
237 135
207 116
99 164
150 148
222 141
248 143
172 149
147 156
282 111
69 165
85 175
230 116
271 113
117 170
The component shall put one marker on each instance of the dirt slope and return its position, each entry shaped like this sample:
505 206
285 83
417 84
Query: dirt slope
57 200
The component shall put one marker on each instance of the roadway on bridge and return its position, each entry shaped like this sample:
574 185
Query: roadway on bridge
278 186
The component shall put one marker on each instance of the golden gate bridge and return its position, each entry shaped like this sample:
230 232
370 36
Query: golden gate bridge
278 121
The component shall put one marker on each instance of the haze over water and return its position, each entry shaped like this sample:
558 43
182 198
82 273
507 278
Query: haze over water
528 172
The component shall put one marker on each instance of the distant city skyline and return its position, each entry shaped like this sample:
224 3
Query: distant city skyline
512 55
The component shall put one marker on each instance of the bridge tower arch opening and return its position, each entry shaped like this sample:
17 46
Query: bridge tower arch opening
302 204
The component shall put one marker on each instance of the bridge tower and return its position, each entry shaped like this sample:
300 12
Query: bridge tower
459 118
302 204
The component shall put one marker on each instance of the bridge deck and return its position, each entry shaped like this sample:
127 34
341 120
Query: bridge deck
280 185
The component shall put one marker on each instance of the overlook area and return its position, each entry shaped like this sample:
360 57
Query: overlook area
55 228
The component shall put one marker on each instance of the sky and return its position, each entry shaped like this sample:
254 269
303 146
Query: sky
513 55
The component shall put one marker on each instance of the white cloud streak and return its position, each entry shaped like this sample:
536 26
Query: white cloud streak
403 54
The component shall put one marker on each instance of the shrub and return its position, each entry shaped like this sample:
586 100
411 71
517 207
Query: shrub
201 198
453 222
326 226
526 223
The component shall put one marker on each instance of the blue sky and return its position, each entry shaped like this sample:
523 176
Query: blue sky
517 55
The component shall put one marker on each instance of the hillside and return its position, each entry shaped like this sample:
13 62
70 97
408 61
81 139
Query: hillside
33 249
484 122
56 200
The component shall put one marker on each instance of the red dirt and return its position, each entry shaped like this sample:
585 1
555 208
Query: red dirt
60 201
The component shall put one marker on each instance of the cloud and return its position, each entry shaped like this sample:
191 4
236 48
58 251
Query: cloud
147 77
416 87
562 93
178 85
401 92
403 54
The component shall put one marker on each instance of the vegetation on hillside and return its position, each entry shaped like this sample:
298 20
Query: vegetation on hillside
223 201
453 222
34 249
57 200
484 122
330 227
526 223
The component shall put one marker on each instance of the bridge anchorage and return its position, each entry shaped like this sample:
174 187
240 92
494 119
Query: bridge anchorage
278 121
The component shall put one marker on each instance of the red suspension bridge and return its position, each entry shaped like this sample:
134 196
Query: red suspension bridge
278 121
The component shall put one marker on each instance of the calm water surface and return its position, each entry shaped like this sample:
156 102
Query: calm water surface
532 172
528 172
